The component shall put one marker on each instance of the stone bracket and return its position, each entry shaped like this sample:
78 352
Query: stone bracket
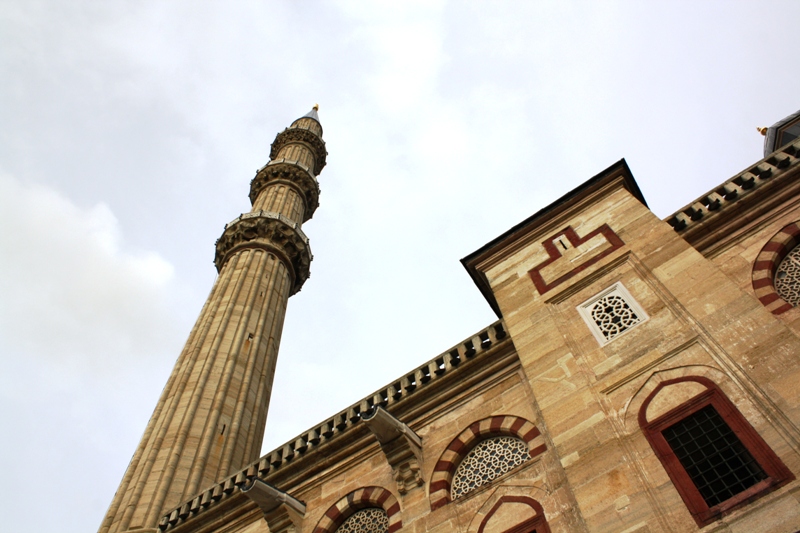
283 512
401 446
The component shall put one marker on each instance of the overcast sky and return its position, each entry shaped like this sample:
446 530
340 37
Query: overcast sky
129 132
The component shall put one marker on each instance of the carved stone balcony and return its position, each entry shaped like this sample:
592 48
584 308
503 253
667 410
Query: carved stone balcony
268 231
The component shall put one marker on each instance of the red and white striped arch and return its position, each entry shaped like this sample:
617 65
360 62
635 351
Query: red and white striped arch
495 426
766 264
361 499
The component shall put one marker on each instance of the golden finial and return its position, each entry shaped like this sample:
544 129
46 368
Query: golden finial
316 107
762 130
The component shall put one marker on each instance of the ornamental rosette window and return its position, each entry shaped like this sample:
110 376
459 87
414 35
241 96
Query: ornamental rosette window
488 460
370 520
611 313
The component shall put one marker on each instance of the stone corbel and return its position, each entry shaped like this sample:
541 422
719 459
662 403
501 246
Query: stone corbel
401 446
283 512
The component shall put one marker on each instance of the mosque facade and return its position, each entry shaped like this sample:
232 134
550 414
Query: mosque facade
643 376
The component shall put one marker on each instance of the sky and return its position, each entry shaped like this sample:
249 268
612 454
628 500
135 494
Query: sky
129 132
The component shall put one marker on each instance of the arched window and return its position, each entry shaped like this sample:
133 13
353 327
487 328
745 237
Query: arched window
488 460
369 520
776 271
714 457
484 451
365 510
787 277
514 514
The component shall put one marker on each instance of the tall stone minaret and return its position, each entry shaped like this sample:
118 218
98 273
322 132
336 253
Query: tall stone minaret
210 418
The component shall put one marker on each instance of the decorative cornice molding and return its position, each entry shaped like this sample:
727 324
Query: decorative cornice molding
309 138
269 231
291 173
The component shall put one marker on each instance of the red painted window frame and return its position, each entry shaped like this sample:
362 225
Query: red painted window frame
537 524
777 472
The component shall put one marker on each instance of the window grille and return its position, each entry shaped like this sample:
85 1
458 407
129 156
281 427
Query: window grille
787 277
611 313
370 520
488 460
722 462
713 456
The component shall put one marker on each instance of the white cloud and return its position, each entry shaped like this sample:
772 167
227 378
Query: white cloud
67 279
84 327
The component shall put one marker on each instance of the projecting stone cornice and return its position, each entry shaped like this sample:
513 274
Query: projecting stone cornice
296 135
293 174
740 200
272 232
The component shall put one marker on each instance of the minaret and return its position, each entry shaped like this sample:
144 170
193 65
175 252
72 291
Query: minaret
211 415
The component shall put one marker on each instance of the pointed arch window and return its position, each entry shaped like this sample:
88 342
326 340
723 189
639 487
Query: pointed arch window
714 457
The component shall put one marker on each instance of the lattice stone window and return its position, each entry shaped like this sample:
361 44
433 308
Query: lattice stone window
488 460
787 278
611 313
370 520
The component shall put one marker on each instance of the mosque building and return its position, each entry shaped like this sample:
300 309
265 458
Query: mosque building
643 375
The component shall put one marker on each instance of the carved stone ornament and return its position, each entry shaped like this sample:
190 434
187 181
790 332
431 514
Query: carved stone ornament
290 135
268 231
292 173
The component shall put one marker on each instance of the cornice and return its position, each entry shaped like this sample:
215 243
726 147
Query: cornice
544 221
293 174
296 135
268 231
321 446
708 222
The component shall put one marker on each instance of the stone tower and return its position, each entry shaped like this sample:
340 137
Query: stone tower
211 415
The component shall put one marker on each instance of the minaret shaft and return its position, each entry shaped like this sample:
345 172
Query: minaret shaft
281 198
211 415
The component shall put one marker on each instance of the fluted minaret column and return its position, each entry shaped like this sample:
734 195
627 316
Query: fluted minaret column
211 415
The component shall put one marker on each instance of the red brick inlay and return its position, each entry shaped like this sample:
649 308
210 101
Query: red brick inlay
357 500
537 523
614 242
766 264
459 447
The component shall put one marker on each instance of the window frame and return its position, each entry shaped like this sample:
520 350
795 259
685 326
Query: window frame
777 472
536 523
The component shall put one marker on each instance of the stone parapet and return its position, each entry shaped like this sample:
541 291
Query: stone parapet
464 354
699 218
270 231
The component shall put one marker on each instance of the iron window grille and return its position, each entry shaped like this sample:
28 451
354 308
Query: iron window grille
714 457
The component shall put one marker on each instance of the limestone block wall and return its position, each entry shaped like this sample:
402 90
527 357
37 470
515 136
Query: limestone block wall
738 260
698 322
744 225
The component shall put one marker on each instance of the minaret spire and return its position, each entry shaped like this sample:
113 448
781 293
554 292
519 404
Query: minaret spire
211 415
